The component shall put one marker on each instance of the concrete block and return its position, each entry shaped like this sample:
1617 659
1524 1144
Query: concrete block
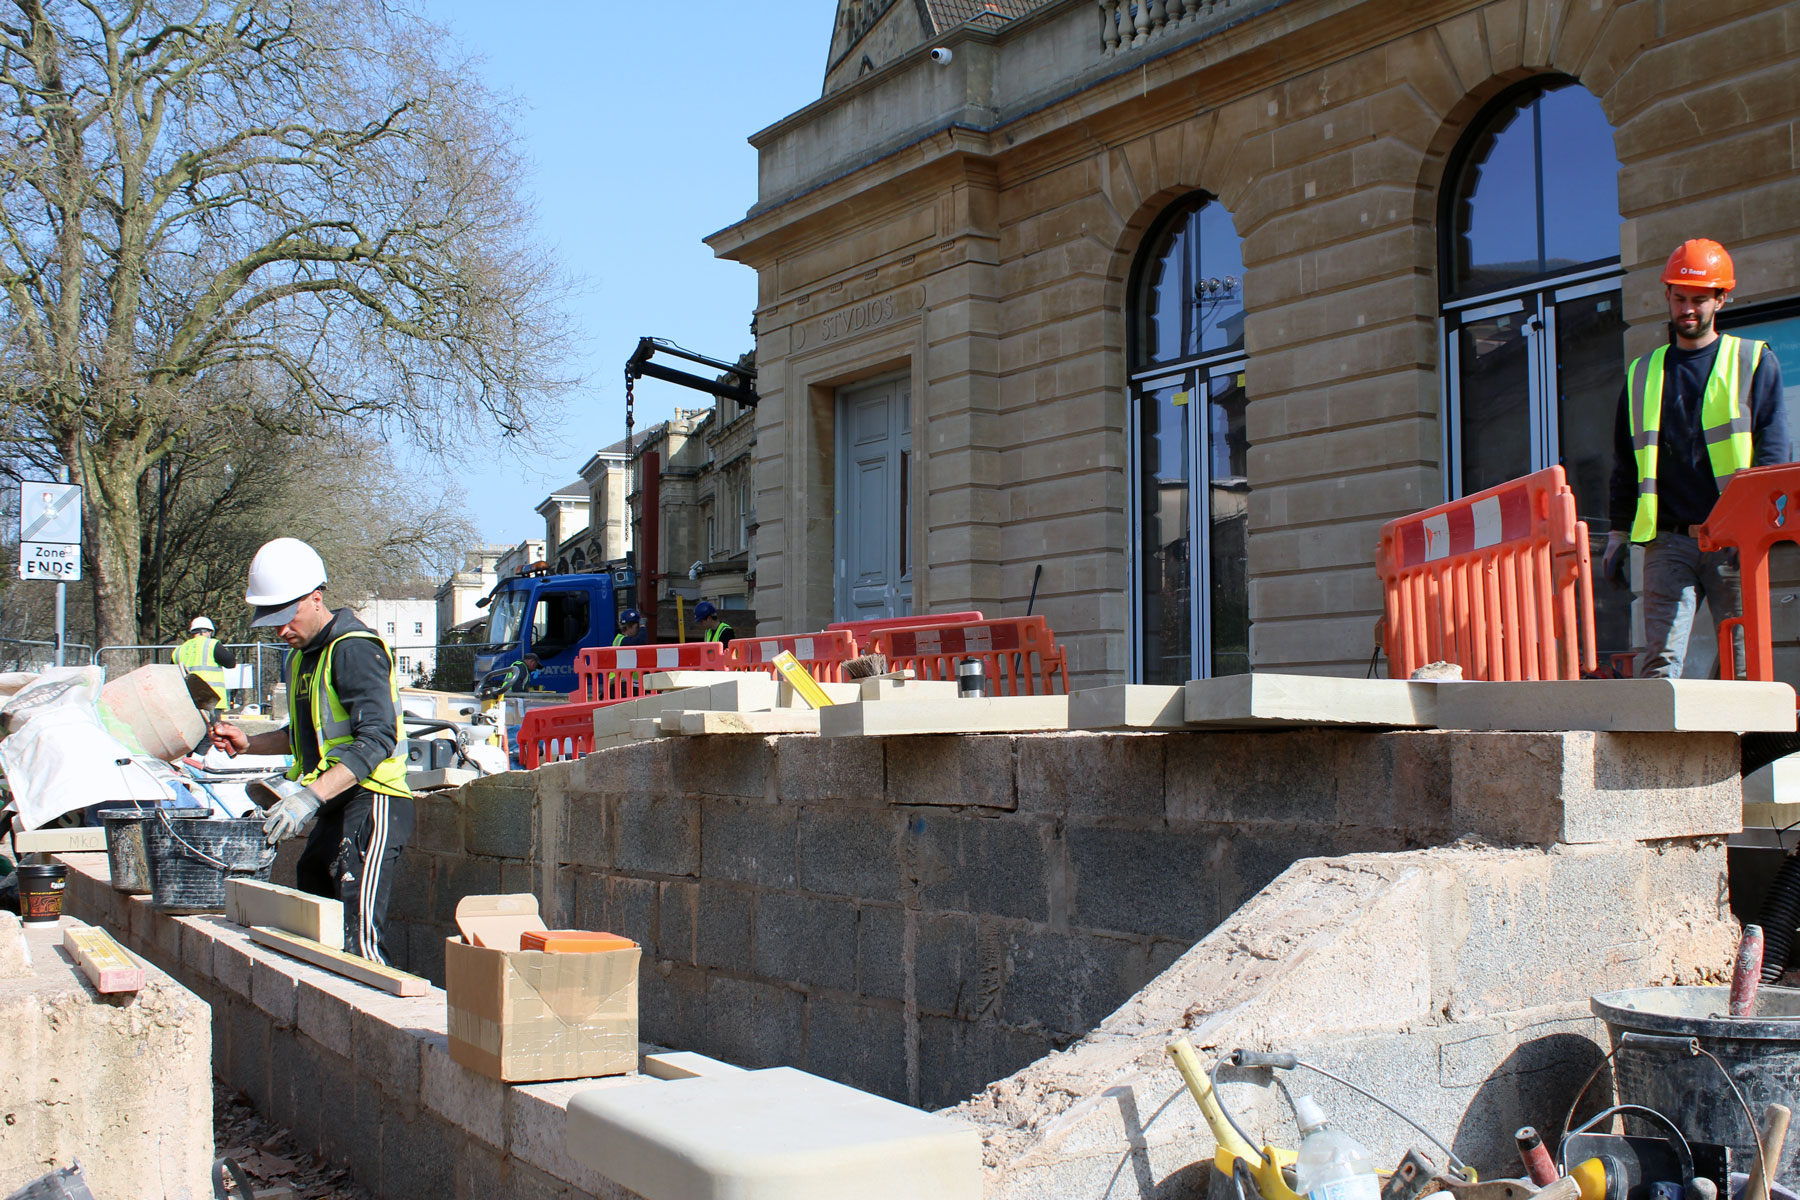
273 982
845 771
859 1045
1113 777
722 938
745 691
850 852
418 1154
498 821
1143 881
538 1130
999 714
781 1131
585 824
1635 705
631 912
322 1013
1129 706
748 843
753 1024
806 940
677 921
978 865
685 1064
231 964
646 728
1579 787
1268 699
670 681
952 771
658 834
740 767
1227 778
473 1103
385 1045
1066 984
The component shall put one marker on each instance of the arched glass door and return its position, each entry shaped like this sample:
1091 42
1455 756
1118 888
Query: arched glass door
1533 330
1190 491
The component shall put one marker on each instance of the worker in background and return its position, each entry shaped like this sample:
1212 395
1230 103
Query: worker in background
202 655
712 628
345 738
1691 414
631 629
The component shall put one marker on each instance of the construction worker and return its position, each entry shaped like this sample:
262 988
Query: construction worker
631 629
344 734
712 628
1691 415
202 655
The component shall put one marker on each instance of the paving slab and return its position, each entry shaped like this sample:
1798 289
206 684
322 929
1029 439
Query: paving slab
668 681
1271 700
839 693
996 714
777 1132
1619 706
1129 706
793 720
685 1064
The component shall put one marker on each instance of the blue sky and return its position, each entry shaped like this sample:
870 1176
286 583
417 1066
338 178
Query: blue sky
635 119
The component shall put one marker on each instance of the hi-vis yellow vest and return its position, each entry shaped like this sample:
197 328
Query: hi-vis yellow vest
1724 419
198 655
331 722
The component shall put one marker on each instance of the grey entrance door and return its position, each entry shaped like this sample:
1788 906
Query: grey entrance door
874 460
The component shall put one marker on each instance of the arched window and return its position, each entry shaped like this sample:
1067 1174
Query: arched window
1189 493
1533 331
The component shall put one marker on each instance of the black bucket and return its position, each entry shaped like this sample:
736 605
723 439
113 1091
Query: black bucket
125 844
1760 1052
191 860
41 892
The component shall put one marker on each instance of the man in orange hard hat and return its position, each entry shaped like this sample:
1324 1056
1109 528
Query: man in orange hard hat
1692 414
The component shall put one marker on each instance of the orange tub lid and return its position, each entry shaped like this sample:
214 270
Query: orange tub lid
573 941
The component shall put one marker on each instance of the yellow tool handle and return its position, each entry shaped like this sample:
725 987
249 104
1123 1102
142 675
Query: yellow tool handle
1188 1063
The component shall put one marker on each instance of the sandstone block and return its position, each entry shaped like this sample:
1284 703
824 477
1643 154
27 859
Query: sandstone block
1129 706
1269 699
1641 705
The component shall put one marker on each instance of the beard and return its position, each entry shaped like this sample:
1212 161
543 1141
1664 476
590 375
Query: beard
1694 325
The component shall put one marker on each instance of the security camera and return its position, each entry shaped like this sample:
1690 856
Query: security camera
694 571
941 55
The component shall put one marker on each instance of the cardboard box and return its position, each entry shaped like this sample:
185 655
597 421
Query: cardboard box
525 1015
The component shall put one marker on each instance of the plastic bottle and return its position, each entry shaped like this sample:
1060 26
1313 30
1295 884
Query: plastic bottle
1332 1164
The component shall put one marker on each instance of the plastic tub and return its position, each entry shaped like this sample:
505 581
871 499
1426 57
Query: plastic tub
41 892
1761 1053
191 860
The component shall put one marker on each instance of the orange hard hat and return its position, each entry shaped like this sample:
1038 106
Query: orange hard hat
1700 262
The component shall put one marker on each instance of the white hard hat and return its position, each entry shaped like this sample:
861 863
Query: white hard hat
200 623
283 573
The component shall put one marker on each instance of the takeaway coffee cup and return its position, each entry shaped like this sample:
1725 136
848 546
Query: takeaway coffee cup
41 892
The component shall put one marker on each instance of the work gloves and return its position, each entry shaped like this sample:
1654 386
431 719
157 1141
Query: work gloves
294 805
1615 564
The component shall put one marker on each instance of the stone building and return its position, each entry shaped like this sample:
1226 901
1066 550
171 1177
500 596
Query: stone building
456 597
565 513
1182 299
607 478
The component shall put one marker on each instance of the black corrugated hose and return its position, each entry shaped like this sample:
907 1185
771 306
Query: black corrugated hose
1780 916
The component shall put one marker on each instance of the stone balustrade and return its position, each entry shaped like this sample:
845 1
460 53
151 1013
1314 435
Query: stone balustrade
1131 24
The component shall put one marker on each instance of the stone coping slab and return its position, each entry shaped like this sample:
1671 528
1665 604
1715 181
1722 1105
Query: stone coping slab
1619 706
993 714
1272 700
777 1132
1129 706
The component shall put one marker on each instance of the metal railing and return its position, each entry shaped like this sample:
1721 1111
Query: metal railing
13 656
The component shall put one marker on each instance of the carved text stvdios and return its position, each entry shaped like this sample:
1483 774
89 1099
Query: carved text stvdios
846 321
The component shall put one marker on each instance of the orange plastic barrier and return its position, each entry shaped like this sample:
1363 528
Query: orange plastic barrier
1758 508
864 631
1498 582
1018 655
617 672
557 732
823 654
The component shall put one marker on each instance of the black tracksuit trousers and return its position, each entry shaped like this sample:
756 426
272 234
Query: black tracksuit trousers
352 855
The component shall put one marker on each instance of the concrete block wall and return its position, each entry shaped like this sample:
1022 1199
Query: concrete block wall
921 916
361 1078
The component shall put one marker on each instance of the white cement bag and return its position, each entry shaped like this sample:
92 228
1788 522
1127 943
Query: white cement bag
59 759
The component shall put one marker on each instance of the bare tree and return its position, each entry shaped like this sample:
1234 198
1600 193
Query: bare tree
295 210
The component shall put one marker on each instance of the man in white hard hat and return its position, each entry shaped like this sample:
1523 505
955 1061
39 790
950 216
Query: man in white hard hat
344 734
204 656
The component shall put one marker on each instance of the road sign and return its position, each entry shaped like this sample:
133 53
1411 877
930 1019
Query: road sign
49 560
49 531
49 512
